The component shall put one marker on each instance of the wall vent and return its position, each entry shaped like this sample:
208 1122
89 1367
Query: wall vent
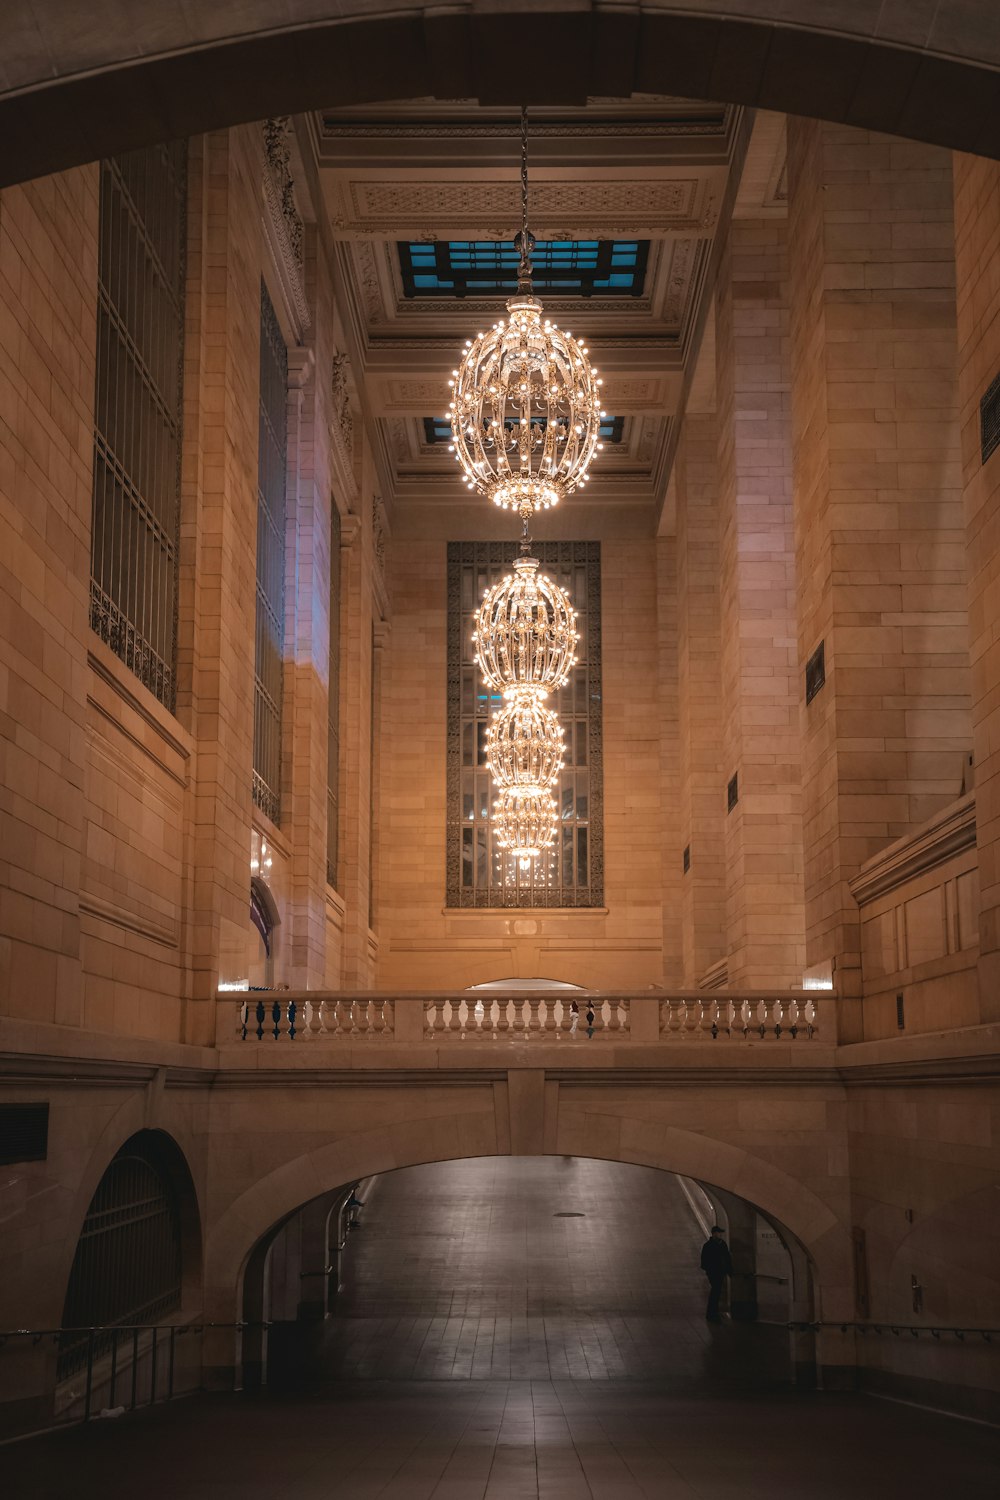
24 1133
733 792
989 420
687 858
815 673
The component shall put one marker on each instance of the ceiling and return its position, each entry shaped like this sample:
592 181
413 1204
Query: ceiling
645 169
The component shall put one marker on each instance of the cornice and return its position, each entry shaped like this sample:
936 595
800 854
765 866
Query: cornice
949 833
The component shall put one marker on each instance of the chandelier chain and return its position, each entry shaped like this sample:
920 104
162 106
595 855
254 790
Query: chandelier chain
524 171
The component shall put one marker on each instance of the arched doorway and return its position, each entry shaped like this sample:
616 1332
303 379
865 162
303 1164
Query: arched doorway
137 1263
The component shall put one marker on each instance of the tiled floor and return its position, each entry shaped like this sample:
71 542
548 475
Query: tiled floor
487 1350
469 1271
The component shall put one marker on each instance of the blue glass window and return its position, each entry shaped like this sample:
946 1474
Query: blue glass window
438 429
571 268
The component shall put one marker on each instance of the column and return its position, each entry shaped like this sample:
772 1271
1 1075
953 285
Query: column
702 785
760 678
977 254
879 533
218 553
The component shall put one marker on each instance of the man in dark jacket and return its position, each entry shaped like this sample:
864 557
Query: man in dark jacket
717 1264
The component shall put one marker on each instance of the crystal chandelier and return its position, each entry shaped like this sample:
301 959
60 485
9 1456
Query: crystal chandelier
525 632
525 419
526 409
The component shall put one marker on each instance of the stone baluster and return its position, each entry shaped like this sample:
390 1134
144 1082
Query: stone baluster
503 1020
550 1015
455 1017
569 1019
534 1020
613 1019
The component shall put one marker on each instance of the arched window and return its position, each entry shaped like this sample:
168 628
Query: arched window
128 1266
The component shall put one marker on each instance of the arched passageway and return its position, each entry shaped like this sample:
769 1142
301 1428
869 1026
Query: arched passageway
71 92
550 1268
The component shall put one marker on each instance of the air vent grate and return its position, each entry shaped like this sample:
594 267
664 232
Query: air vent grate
733 792
24 1132
989 420
815 672
687 858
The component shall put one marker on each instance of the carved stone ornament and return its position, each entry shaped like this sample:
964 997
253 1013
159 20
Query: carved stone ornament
283 218
340 393
378 534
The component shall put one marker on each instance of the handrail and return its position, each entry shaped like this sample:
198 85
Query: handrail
159 1349
888 1326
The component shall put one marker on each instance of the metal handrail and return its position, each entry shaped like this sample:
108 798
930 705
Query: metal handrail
131 1332
889 1326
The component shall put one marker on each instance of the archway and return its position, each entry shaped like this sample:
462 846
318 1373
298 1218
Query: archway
512 1268
74 94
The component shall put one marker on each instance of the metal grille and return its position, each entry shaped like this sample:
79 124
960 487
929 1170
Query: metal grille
24 1132
333 708
127 1267
272 455
572 874
137 412
815 672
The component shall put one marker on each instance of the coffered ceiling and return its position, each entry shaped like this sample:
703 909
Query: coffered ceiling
646 169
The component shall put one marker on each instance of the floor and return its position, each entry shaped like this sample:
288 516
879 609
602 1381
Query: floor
487 1349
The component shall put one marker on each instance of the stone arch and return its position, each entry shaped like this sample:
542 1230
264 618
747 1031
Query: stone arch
270 1200
73 93
127 1123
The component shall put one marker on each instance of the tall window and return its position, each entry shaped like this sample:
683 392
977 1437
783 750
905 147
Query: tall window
137 411
572 874
271 459
333 707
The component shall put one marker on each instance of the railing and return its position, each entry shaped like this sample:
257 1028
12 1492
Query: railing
120 1367
563 1016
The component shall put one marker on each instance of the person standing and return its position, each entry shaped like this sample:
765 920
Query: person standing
717 1264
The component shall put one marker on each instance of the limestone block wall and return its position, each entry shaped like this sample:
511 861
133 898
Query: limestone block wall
125 895
761 682
699 646
977 251
48 331
879 530
423 945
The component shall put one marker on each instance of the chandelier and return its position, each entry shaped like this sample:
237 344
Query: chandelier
525 421
526 408
525 632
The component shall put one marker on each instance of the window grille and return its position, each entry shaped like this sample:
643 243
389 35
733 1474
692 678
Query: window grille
137 411
333 708
572 874
272 454
127 1267
569 268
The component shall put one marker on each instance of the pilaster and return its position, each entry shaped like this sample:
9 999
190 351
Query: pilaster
702 788
879 537
765 935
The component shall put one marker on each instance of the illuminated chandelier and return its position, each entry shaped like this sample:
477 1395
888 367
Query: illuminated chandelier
526 409
525 420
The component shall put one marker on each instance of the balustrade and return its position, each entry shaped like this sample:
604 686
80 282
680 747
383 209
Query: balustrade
306 1016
